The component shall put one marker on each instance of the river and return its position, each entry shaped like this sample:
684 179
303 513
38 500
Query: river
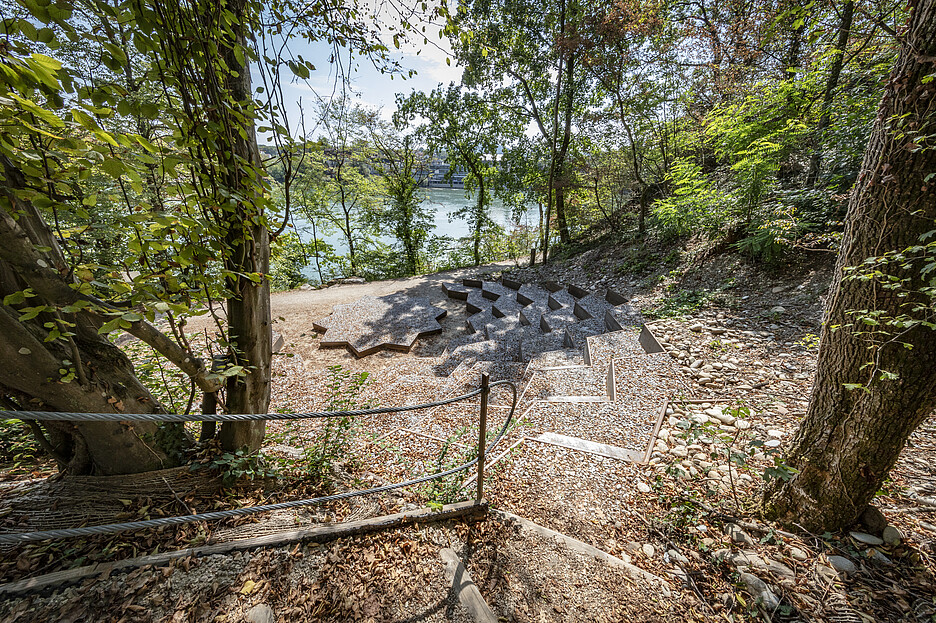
442 202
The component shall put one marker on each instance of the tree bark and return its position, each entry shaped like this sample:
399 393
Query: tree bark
248 311
32 366
479 216
851 438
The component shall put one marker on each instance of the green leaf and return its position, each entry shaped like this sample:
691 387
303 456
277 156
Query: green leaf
109 326
114 168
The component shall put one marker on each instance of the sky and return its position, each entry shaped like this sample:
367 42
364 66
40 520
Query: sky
367 84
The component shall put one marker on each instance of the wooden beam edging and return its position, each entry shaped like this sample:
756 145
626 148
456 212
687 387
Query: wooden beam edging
575 545
318 534
656 430
464 587
659 422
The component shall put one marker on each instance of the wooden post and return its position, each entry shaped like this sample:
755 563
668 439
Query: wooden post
532 257
210 403
482 434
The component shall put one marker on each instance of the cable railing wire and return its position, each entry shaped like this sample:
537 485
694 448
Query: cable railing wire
86 531
65 416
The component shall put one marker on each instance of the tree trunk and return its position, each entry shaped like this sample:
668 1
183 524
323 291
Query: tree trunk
479 218
32 373
834 72
851 438
248 312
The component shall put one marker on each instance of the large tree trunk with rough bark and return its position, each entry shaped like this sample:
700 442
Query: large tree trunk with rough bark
858 421
248 312
83 373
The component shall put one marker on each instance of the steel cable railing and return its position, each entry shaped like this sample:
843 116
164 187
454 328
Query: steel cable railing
22 537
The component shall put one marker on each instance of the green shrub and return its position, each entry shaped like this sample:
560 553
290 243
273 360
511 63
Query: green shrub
333 442
288 258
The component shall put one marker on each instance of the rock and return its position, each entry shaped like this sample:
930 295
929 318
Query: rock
867 539
696 327
679 451
278 342
778 310
648 550
892 536
744 558
676 557
842 564
725 418
632 546
798 554
261 613
776 434
643 487
779 569
878 556
761 593
873 520
742 425
736 534
305 287
717 330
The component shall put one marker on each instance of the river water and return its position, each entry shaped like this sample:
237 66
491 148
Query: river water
442 202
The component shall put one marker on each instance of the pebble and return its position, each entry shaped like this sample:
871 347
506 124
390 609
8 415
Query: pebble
892 535
736 534
779 569
873 520
676 557
759 590
697 327
867 539
798 554
724 418
648 550
680 451
842 564
261 613
643 487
